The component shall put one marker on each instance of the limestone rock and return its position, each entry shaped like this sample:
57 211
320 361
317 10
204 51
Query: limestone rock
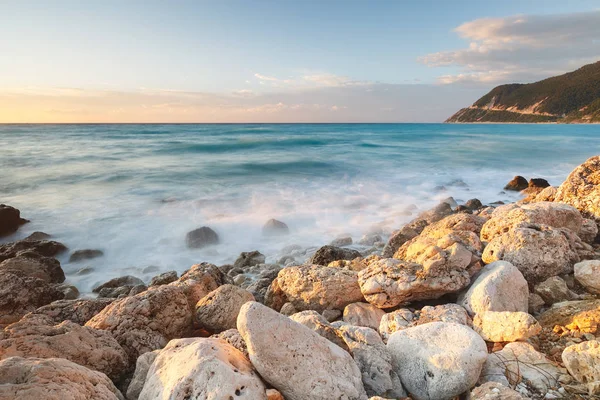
553 290
31 264
146 321
582 360
274 227
142 366
273 394
249 259
233 337
583 315
319 288
397 239
201 368
200 280
587 274
79 311
218 310
363 314
327 254
536 303
505 326
298 362
395 321
588 231
500 286
453 223
318 323
201 237
53 379
517 184
438 360
495 391
164 279
46 248
38 337
581 189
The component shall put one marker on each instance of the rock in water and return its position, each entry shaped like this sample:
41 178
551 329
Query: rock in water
517 184
274 227
201 237
218 310
297 361
53 379
439 360
249 259
10 219
581 189
87 254
198 368
327 254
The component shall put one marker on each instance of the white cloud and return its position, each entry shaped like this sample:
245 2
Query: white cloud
521 48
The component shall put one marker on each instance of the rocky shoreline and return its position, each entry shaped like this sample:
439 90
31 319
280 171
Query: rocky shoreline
469 301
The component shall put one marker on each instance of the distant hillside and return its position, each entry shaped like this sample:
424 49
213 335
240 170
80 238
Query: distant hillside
570 98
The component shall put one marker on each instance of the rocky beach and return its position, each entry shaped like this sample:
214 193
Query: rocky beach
466 301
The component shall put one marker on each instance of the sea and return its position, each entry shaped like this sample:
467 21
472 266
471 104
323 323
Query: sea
135 190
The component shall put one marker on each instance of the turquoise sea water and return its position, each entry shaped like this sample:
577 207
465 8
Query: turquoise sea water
135 190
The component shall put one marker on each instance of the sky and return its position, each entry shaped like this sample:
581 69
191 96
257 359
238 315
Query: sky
278 61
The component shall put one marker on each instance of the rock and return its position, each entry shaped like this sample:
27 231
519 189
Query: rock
201 237
370 239
583 315
538 251
316 322
146 321
450 201
453 224
218 310
249 259
20 294
70 292
87 254
123 281
398 239
201 368
164 279
38 236
473 204
438 360
319 288
517 184
553 290
274 227
495 391
327 254
200 280
536 303
582 360
53 379
505 326
395 321
517 362
306 367
332 315
46 248
374 361
588 231
587 274
498 287
538 183
233 337
288 309
10 220
78 311
142 366
273 394
341 241
38 337
546 194
391 282
275 298
363 314
44 268
581 189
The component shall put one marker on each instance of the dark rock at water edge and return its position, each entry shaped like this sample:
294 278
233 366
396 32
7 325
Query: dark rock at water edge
38 236
538 183
126 280
164 279
327 254
86 254
32 264
274 227
10 220
201 237
473 204
46 248
517 184
249 259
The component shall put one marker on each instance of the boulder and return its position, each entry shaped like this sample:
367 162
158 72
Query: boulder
296 361
164 279
581 189
546 194
39 337
553 290
146 321
363 314
79 311
538 251
397 239
452 223
500 286
582 360
233 337
249 259
46 248
218 310
583 315
142 366
197 368
10 220
117 286
370 239
201 237
536 303
495 391
588 231
318 288
505 326
392 282
87 254
37 235
587 274
374 361
394 321
200 280
53 379
274 227
45 268
538 183
273 394
438 360
327 254
341 241
517 184
318 323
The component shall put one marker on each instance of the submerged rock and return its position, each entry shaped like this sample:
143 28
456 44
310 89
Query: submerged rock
87 254
201 237
249 259
327 254
274 227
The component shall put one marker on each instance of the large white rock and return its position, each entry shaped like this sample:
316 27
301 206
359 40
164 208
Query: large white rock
201 368
363 314
582 360
588 274
439 360
218 310
581 189
297 361
142 366
505 326
500 286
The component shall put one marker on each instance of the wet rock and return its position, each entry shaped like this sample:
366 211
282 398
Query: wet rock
46 248
553 290
581 189
316 322
10 220
320 368
583 315
363 314
327 254
201 237
538 183
142 366
39 337
370 239
398 239
234 338
78 311
587 274
164 279
31 264
200 280
146 321
249 259
517 184
218 310
201 368
495 391
53 379
87 254
38 236
505 326
500 286
437 360
582 360
274 227
319 288
126 280
341 242
474 204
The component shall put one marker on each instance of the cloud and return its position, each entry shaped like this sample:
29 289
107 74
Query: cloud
521 48
309 80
